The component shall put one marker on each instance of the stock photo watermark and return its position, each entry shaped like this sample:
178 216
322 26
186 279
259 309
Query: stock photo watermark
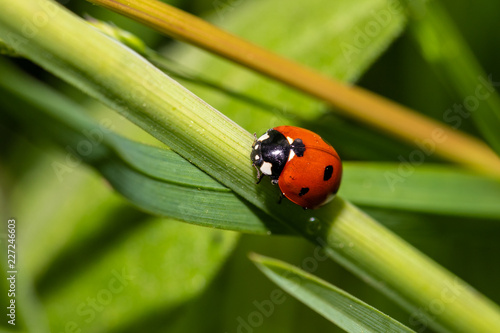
88 310
454 117
84 148
420 319
11 271
32 25
265 308
365 34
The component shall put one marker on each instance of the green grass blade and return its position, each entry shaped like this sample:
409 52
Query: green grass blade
126 82
156 180
68 47
233 89
334 43
445 49
402 272
354 102
189 202
336 305
176 260
425 188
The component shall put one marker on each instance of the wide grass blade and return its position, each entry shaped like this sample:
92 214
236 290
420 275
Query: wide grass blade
156 180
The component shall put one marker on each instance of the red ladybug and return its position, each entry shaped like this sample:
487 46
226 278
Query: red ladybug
306 168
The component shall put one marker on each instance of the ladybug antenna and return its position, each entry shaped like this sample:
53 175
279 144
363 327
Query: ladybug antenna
255 141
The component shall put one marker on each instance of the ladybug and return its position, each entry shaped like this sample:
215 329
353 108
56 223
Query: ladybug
306 168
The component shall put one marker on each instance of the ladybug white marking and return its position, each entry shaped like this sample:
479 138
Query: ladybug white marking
290 140
265 136
291 155
266 168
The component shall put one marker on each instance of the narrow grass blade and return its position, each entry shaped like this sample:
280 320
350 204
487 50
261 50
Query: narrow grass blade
425 188
341 308
445 49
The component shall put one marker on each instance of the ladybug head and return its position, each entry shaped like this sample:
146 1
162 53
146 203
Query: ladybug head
256 155
270 153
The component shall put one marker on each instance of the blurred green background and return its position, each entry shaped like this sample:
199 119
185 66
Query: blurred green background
89 260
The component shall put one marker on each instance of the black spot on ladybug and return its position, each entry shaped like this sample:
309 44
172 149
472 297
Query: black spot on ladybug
328 173
303 191
298 147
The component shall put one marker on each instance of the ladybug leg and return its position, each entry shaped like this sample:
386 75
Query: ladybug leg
259 178
260 175
281 198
